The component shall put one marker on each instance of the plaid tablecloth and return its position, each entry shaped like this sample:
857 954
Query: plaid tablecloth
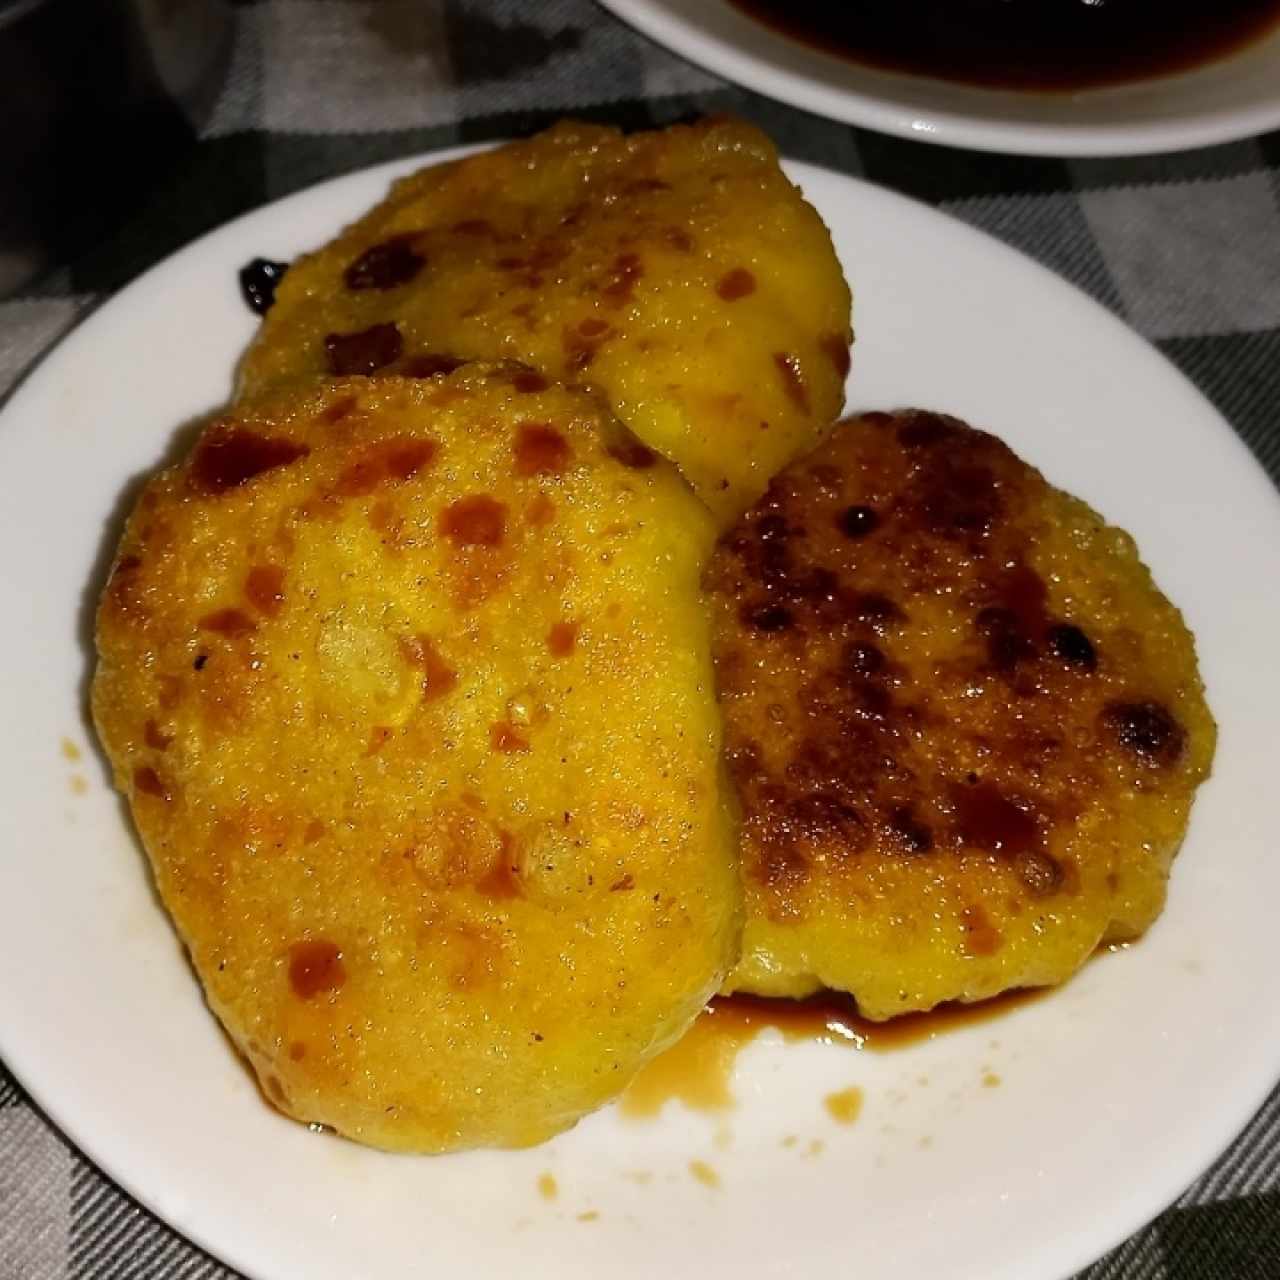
1186 248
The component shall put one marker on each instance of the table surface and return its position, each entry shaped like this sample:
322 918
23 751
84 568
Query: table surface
1185 248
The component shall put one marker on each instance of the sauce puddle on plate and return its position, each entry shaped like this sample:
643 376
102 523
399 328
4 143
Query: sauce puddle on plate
1025 44
697 1070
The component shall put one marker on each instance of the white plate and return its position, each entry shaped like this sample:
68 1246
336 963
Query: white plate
1115 1091
1236 97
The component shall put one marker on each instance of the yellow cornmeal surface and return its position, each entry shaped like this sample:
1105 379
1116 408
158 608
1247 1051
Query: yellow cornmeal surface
678 273
408 685
965 725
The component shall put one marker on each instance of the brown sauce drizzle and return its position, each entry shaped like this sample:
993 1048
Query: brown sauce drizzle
697 1070
1052 45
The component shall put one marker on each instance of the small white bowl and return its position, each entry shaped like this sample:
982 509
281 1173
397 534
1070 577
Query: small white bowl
1235 97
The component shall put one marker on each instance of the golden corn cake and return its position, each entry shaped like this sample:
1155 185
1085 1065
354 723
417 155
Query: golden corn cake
408 685
678 273
965 725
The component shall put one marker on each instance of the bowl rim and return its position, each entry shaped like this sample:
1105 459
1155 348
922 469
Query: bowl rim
678 28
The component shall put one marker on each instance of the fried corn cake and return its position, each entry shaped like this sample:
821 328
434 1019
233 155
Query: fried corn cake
408 686
678 273
965 725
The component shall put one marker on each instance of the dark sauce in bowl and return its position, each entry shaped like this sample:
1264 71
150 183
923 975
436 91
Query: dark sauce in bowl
1023 44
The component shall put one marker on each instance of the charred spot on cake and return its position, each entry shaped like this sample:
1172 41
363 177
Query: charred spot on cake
857 521
818 817
633 454
918 428
430 364
541 450
788 367
338 411
316 967
505 879
477 520
911 834
147 782
1017 623
768 618
876 610
1070 643
438 677
528 381
390 461
264 588
506 739
363 352
861 659
1040 872
229 456
1007 645
232 623
986 819
980 937
956 497
835 347
562 638
479 227
385 266
736 284
625 272
677 238
541 511
1147 730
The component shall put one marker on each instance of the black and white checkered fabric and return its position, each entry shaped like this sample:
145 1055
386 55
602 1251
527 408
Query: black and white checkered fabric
1185 248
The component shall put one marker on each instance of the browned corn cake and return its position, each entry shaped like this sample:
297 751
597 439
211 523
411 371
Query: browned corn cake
677 272
965 725
408 684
